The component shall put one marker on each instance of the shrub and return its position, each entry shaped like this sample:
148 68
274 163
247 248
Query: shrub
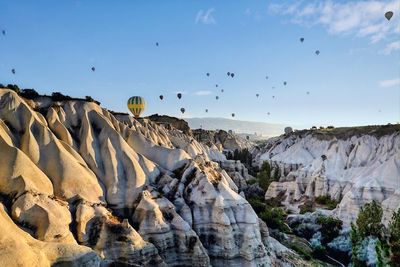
275 219
29 93
326 201
57 96
330 228
257 204
308 206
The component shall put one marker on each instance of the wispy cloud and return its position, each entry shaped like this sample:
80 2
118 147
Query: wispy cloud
360 18
203 93
391 47
390 83
205 16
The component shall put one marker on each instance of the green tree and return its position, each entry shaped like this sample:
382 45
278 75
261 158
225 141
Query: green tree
394 239
264 176
369 220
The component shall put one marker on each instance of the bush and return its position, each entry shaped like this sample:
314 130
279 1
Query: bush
275 219
326 201
257 204
308 206
29 93
57 96
330 228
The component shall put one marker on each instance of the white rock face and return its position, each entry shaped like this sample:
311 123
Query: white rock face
353 165
129 193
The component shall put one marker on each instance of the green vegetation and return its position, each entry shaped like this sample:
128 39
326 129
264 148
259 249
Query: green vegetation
368 225
327 201
394 239
307 206
330 228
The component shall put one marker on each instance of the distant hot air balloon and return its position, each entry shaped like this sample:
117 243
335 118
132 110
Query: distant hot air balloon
216 85
273 87
268 113
317 52
388 15
222 90
183 110
208 74
93 69
266 77
232 75
3 32
284 83
228 73
217 97
233 114
161 97
13 71
273 96
206 110
308 93
247 137
179 95
257 95
157 44
136 105
301 39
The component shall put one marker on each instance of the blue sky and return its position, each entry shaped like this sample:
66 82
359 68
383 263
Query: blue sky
354 81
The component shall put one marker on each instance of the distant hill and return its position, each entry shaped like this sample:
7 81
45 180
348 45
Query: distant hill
249 127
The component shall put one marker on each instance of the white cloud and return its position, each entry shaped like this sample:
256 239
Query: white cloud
359 18
391 47
206 17
203 93
390 83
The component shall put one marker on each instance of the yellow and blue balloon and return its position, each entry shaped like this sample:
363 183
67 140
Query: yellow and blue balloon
136 105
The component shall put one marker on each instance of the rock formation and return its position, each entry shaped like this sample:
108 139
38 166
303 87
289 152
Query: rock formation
82 187
352 165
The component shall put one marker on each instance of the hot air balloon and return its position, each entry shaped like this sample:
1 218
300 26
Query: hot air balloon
161 97
157 44
208 74
257 95
388 15
273 96
228 73
268 113
3 32
13 71
136 105
308 93
284 83
93 69
233 115
301 39
206 110
266 77
232 75
247 137
183 110
179 95
217 97
317 52
222 90
216 85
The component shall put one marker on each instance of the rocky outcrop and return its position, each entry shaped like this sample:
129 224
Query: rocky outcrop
83 187
352 165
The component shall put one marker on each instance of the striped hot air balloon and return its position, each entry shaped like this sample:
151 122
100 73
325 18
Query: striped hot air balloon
136 105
